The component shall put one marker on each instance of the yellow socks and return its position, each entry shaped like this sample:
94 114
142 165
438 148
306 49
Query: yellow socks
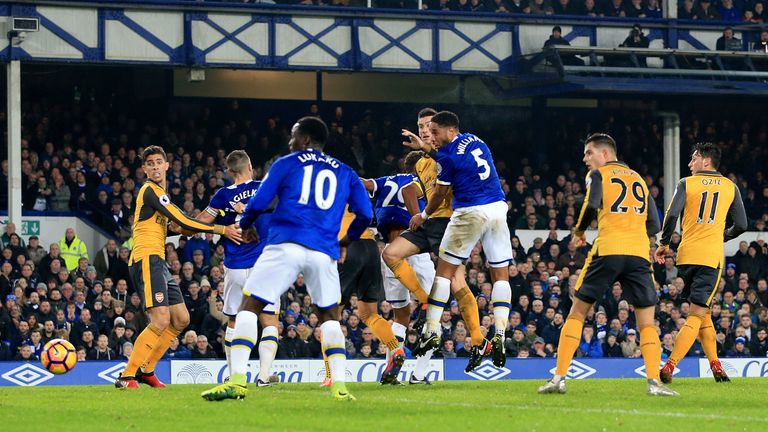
708 338
650 347
470 313
685 338
163 343
405 274
570 337
325 361
145 344
383 330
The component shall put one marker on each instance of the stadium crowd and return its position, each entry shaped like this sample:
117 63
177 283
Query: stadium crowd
720 10
84 158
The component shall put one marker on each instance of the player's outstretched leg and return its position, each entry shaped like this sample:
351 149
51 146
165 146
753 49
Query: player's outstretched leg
501 298
438 298
683 341
707 338
145 344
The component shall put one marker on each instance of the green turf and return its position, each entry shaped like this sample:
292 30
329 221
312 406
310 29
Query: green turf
590 405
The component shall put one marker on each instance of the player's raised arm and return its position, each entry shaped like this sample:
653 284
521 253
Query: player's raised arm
164 205
652 224
411 195
264 197
739 216
673 213
593 199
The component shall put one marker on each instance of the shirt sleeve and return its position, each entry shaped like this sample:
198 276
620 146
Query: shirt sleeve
673 213
378 184
739 216
268 190
215 205
593 200
360 206
445 170
652 224
164 205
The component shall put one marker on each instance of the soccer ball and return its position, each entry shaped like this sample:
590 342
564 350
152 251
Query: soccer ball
58 356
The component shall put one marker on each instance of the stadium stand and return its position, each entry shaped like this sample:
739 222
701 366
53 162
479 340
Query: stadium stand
80 154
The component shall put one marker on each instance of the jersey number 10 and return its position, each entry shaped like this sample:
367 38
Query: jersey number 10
323 201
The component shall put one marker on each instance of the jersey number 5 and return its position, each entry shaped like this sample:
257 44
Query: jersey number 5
481 163
323 200
637 191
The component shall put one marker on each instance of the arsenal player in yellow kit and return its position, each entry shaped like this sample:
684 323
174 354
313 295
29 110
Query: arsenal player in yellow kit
159 293
626 216
705 199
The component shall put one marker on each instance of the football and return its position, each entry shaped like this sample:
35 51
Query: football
58 356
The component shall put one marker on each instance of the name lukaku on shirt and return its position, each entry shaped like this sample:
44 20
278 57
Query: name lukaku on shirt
307 157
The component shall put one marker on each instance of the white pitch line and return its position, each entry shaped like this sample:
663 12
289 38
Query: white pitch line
593 410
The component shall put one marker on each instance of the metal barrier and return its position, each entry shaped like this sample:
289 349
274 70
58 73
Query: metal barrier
311 38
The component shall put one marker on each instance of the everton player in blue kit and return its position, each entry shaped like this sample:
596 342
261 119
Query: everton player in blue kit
313 190
479 214
395 198
225 208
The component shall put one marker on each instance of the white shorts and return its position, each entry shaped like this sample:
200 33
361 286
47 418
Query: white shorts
485 223
234 282
395 292
280 265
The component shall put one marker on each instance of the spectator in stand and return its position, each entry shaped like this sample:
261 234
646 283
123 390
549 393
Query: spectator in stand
556 38
72 249
26 354
739 348
653 9
590 345
10 229
35 251
105 259
102 351
292 347
203 349
635 9
728 12
706 11
614 8
611 348
177 351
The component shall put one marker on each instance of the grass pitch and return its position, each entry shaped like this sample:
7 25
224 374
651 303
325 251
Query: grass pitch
590 405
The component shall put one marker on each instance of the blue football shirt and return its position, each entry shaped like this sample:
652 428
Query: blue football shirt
390 207
222 204
312 189
466 164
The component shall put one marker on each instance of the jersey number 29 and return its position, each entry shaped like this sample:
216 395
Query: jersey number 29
323 201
